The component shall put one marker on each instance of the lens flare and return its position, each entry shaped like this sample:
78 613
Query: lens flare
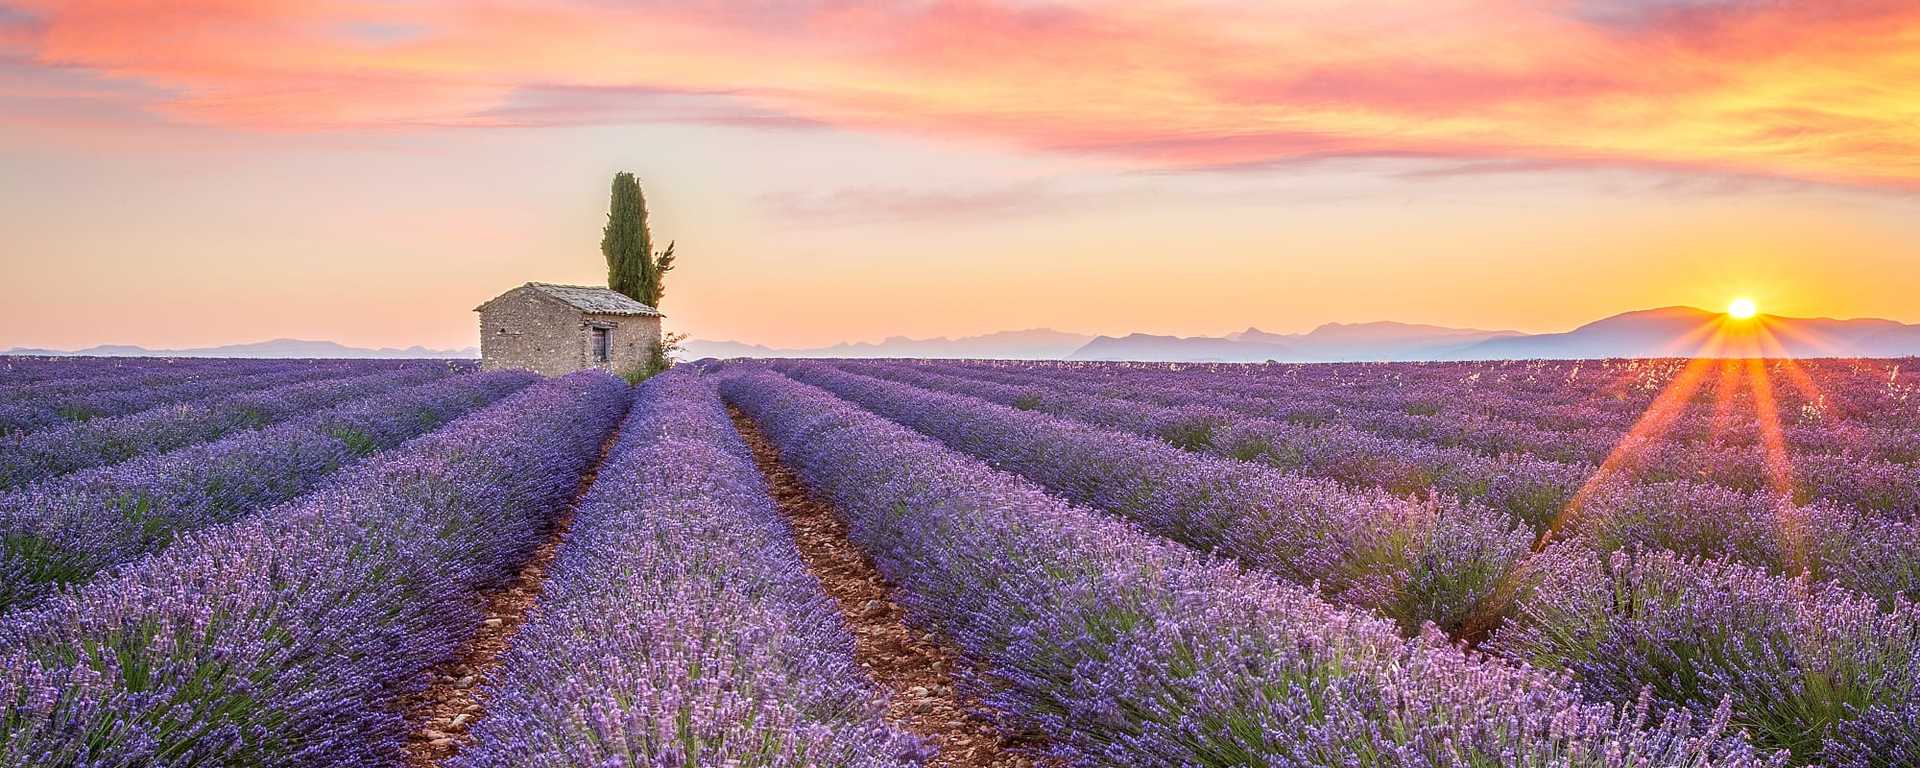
1742 309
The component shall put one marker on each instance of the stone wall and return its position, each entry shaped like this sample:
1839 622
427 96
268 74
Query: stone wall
522 330
631 337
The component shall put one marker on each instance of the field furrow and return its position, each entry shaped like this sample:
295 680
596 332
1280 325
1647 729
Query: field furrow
1861 550
1696 635
679 624
37 456
64 531
286 638
1852 465
45 407
1124 649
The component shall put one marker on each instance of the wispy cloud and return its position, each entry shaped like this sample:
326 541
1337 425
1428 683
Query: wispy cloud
1811 90
873 204
548 105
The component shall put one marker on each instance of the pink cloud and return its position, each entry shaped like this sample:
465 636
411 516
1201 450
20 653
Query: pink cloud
1800 90
887 204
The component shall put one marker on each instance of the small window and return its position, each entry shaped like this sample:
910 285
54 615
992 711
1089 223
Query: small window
602 344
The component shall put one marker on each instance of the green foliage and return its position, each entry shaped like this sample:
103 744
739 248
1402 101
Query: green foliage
76 412
136 509
358 442
659 358
657 286
1307 419
625 241
42 562
1423 409
1252 449
633 268
1193 435
251 417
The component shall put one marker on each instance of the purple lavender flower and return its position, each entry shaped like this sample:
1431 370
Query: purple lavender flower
49 453
1802 665
678 625
283 638
65 530
1121 648
48 405
1415 561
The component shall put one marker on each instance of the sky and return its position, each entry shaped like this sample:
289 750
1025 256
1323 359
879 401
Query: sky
215 171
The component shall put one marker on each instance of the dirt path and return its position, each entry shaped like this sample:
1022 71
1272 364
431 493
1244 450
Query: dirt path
912 666
443 715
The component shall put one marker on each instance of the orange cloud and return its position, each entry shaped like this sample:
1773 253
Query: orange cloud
1810 90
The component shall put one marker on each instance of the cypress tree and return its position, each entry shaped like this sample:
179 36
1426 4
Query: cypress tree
626 242
657 277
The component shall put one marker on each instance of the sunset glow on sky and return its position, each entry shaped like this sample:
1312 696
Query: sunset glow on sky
215 171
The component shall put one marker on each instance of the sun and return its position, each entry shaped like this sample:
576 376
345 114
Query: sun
1742 308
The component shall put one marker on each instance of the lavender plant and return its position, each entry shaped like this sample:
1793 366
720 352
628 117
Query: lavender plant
40 407
49 453
1855 548
1126 650
1863 464
678 625
1528 489
1806 667
285 638
66 530
1415 561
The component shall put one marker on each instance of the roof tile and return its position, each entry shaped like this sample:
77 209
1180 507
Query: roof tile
595 299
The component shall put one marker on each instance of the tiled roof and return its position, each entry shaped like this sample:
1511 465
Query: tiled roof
595 300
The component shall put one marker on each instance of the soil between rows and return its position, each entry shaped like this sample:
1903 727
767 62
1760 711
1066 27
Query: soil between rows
443 715
912 666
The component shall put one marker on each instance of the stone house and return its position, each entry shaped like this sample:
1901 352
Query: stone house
556 329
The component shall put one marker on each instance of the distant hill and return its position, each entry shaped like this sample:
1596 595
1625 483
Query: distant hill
1031 344
1384 341
1191 349
1327 343
1665 332
287 348
1685 332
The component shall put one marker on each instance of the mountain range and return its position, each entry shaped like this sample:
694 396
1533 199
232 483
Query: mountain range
1665 332
1686 331
1327 343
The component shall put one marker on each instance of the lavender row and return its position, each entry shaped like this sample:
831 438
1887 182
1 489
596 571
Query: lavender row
1488 416
1865 552
67 530
36 456
1446 576
1123 649
51 409
678 625
1609 392
1580 393
1810 668
1527 489
1414 561
23 373
286 638
1491 405
1846 478
131 379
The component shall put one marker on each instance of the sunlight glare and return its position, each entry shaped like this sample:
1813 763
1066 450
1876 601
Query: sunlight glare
1742 308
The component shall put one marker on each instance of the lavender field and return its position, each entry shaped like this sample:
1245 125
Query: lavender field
1591 564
